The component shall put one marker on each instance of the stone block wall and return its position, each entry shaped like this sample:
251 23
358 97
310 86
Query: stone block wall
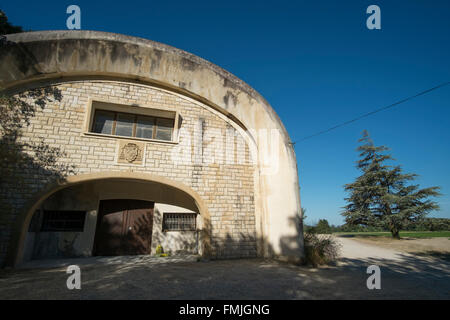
226 184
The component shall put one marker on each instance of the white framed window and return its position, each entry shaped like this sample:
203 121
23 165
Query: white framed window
140 123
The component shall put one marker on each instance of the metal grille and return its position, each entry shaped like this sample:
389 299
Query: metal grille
179 221
63 221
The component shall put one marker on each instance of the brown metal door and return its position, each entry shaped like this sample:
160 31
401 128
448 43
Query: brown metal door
124 227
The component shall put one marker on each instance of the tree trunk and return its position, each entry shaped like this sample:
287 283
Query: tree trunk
395 233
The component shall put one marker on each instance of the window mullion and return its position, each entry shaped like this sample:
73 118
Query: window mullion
154 128
113 131
133 134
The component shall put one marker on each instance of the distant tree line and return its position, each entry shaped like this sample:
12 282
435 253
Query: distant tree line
426 224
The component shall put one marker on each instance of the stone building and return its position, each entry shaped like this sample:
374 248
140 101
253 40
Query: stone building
166 148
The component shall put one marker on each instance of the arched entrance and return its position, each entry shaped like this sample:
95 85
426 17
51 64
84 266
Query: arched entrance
139 196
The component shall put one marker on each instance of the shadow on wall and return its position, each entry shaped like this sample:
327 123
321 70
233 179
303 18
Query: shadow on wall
214 244
25 165
136 241
174 242
293 246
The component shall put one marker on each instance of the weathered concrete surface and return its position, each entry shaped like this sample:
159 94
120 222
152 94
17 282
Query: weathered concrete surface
29 58
402 277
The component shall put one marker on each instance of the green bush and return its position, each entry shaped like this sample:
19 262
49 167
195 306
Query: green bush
320 249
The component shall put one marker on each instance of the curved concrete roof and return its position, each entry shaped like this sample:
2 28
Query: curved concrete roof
32 56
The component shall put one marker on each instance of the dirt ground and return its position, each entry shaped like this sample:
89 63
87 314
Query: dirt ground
403 276
432 245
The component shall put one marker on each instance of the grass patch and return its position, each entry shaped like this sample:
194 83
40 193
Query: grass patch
403 234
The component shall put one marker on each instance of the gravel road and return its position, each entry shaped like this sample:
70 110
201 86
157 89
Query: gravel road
403 276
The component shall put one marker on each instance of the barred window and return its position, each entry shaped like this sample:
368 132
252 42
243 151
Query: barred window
63 221
179 221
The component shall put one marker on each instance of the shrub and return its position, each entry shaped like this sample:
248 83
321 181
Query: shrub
159 250
320 249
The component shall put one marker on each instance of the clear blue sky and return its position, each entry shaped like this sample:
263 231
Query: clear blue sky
318 65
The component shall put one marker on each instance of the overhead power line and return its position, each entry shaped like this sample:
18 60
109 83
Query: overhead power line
373 112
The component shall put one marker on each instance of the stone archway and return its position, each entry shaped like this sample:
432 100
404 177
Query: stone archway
162 189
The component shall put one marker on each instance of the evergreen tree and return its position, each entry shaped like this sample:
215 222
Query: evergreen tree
381 196
6 27
323 226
